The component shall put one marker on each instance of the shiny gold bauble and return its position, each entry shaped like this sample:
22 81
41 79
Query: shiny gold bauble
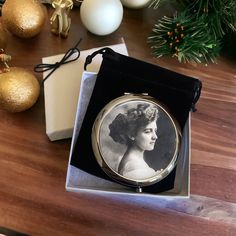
24 18
19 90
3 37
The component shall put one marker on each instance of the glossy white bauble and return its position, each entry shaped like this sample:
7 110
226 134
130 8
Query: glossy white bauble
135 4
101 17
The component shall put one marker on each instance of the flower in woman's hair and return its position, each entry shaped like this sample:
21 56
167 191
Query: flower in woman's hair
151 113
135 113
146 111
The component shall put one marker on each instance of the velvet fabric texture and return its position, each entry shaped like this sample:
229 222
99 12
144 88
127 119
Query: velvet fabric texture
119 74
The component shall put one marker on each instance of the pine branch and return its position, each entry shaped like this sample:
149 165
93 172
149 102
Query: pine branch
186 37
155 3
220 14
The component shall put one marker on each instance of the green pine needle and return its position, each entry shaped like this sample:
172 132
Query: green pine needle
155 4
220 14
186 37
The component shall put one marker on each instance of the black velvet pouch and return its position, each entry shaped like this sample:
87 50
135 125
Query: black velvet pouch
119 74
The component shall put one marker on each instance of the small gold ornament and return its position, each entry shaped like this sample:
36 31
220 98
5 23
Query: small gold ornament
3 37
24 18
19 90
4 58
60 19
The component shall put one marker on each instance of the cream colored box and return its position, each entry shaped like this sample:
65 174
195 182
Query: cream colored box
61 91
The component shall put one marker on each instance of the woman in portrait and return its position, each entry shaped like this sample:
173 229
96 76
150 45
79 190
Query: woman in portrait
137 129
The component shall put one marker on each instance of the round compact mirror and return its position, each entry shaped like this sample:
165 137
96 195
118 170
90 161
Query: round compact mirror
135 140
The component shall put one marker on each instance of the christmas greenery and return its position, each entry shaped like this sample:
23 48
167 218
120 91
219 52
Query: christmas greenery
155 4
196 33
220 14
185 38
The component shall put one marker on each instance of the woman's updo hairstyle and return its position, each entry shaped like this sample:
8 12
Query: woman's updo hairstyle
126 125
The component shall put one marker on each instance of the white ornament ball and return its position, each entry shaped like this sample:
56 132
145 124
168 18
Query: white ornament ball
101 17
135 4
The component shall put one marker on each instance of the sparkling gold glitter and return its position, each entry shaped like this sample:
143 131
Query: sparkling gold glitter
24 18
19 90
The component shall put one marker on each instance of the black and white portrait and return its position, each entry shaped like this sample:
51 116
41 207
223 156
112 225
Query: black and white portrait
137 139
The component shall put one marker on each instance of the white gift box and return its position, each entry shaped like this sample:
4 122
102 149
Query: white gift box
80 181
61 91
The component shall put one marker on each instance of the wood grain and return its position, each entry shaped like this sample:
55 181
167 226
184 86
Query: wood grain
33 199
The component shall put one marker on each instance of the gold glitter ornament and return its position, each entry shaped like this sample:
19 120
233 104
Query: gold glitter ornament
24 18
3 37
19 90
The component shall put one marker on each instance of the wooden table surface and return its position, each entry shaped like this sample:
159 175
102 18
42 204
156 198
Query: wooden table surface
33 199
